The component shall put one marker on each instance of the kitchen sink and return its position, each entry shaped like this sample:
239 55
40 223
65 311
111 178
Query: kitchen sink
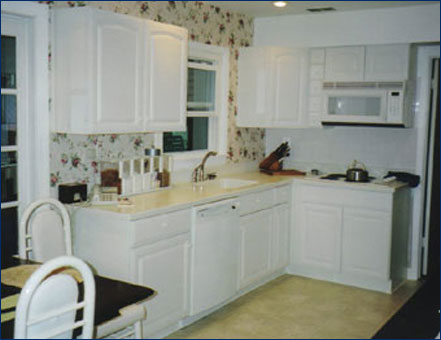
232 183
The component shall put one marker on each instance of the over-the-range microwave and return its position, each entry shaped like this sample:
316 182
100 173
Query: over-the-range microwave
365 103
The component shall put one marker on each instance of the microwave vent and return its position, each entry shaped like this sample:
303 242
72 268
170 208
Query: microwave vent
356 85
362 85
391 85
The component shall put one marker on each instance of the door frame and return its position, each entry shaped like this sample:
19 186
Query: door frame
36 17
425 55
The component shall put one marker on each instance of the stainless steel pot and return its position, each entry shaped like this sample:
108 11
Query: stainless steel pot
357 172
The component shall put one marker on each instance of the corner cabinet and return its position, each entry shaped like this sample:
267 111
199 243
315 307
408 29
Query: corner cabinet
115 73
272 84
351 236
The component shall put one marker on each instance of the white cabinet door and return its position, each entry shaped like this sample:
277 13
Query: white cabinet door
255 245
289 77
271 90
165 88
387 62
253 92
319 236
366 240
119 48
280 237
164 266
344 64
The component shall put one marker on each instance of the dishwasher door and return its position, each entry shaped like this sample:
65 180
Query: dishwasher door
215 238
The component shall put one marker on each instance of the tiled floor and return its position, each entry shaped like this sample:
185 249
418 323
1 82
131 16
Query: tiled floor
295 307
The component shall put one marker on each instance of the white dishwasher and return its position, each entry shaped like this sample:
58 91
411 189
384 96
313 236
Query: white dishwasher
215 240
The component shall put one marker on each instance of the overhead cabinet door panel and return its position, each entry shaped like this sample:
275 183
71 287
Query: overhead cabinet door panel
119 52
344 64
167 68
387 62
290 77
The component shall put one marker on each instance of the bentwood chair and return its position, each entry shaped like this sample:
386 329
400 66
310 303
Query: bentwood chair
44 231
48 303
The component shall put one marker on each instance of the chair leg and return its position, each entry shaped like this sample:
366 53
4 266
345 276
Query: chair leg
138 329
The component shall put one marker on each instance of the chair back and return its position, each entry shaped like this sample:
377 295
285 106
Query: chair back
44 231
48 305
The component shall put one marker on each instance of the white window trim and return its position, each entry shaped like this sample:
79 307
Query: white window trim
37 145
184 160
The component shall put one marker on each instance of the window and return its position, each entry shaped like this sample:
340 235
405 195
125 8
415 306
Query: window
207 88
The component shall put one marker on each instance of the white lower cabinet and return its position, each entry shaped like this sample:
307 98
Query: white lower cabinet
365 242
281 225
255 245
163 266
318 236
152 251
156 251
354 237
264 234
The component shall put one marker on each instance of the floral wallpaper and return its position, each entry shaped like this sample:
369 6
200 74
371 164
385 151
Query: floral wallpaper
74 158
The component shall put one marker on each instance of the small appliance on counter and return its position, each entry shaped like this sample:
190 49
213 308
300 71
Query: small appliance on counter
273 164
72 193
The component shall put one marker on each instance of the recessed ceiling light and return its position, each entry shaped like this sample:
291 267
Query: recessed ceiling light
279 3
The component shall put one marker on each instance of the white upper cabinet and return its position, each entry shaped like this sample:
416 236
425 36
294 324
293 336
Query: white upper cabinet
367 63
106 73
166 77
344 63
387 62
271 90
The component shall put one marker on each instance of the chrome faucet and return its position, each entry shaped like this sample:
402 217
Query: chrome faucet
199 172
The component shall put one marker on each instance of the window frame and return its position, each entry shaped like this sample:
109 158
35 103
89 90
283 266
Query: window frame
218 122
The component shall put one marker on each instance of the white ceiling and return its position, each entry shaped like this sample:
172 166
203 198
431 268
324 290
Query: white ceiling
266 9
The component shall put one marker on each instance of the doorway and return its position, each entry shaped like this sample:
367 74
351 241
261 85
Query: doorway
25 113
431 230
13 134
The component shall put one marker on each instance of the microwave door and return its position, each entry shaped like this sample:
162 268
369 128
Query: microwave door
355 107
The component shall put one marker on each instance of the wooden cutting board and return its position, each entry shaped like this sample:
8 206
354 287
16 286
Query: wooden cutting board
287 172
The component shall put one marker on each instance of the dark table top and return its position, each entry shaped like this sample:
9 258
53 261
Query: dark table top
110 296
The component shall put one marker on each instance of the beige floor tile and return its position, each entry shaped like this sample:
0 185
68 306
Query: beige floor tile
293 307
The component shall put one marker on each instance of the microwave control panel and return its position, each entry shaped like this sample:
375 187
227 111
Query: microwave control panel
395 106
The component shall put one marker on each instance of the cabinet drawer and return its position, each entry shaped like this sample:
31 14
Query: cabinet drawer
161 226
282 194
347 197
256 201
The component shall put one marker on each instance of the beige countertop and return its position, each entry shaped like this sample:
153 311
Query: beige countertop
188 194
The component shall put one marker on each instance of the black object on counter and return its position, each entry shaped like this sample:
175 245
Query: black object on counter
411 179
72 192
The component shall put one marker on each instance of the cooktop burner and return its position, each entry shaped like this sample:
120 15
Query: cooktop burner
338 177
